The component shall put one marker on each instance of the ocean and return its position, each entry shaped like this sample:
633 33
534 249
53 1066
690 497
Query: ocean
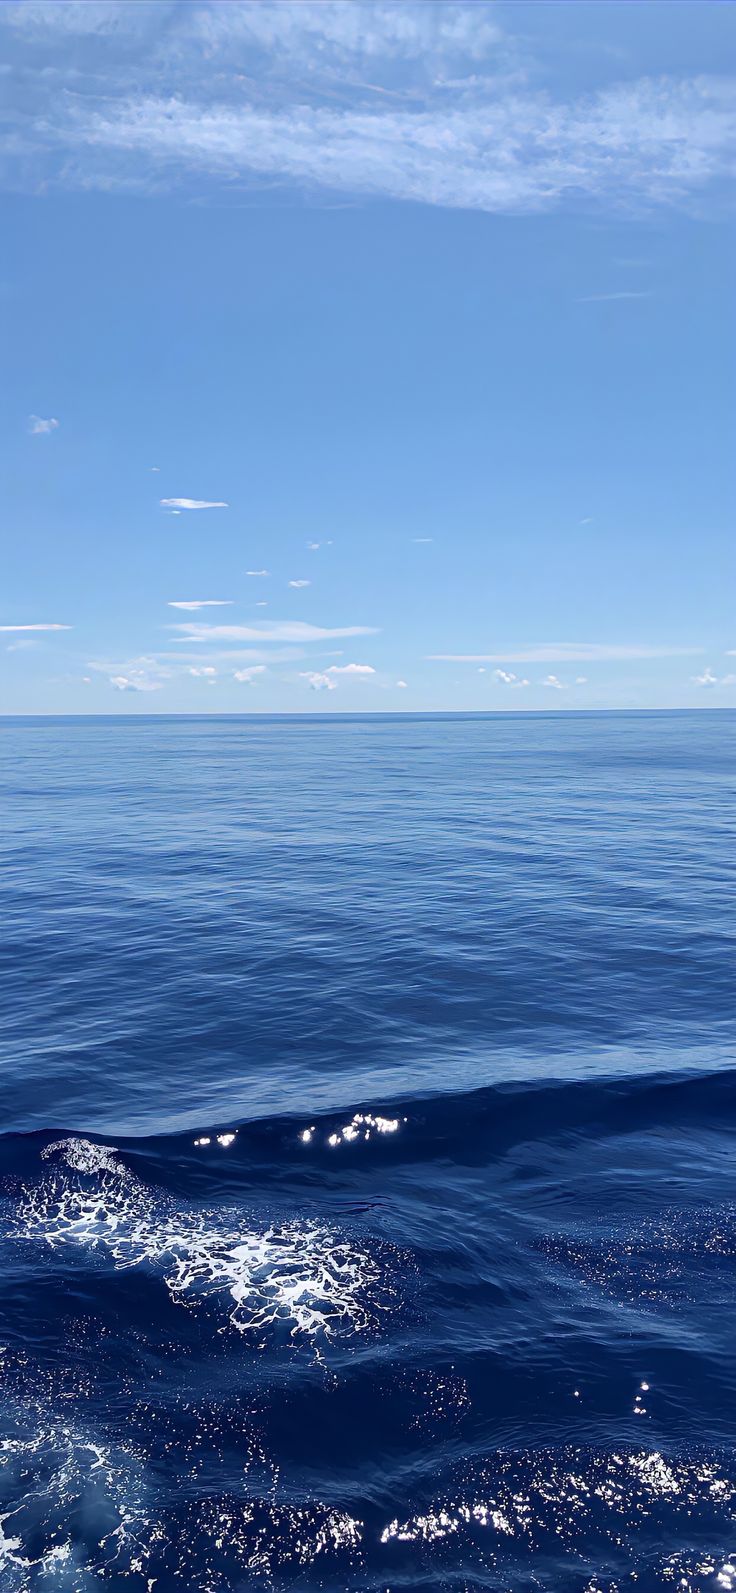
367 1170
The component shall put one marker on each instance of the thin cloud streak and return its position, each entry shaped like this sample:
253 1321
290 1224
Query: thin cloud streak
36 627
203 602
566 652
193 503
270 631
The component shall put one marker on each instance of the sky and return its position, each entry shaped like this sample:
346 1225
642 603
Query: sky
367 357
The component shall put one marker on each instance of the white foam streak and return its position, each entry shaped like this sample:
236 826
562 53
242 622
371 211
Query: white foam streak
301 1277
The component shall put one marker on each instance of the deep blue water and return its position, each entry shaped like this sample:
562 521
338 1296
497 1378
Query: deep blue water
367 1175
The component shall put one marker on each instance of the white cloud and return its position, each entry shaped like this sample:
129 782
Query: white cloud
551 680
204 602
21 646
258 572
270 631
247 676
318 681
402 684
313 546
334 31
36 627
505 678
261 604
351 669
135 674
510 150
300 583
708 678
581 680
206 670
137 682
192 503
588 520
41 428
154 470
422 539
565 652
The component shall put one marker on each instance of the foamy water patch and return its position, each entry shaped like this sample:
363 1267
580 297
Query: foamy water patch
299 1277
70 1502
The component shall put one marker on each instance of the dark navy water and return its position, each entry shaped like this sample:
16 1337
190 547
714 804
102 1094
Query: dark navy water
367 1174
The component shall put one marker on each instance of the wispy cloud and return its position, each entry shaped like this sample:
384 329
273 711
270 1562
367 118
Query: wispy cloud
317 680
193 503
566 652
610 298
709 678
271 631
247 676
551 680
506 678
203 671
581 680
203 602
653 141
422 539
313 546
36 627
258 572
38 427
300 583
432 104
351 669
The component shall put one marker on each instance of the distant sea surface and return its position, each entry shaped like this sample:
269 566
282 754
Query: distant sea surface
367 1165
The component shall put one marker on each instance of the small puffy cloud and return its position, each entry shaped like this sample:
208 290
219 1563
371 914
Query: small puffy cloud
317 681
135 674
300 583
206 670
154 470
193 503
38 427
313 546
36 627
401 684
708 678
137 682
247 676
506 678
581 680
258 572
203 602
351 669
551 680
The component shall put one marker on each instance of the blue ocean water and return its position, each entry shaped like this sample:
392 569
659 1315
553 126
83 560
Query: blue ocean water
367 1181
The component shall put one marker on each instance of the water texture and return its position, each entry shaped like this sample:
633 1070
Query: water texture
367 1178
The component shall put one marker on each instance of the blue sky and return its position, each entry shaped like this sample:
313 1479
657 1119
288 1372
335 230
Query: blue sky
422 313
